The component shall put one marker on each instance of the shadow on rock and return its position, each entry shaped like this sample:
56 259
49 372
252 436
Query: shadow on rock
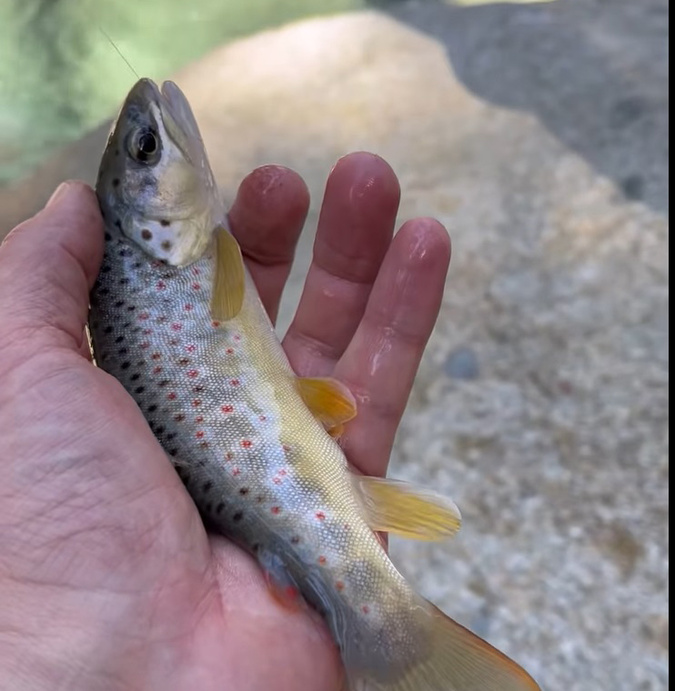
594 73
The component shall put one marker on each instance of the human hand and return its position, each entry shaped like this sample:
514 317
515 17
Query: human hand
108 580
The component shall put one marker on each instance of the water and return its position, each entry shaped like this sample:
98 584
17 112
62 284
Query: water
59 75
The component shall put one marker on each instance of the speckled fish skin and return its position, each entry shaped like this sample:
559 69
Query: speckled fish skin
222 400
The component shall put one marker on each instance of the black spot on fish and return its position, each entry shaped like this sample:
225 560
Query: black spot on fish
123 281
146 234
131 308
207 486
164 382
115 182
117 152
166 245
220 507
295 540
119 339
238 516
108 330
108 237
125 365
122 351
105 269
243 491
135 377
173 452
160 430
119 303
118 223
126 325
164 222
255 546
198 389
152 408
137 265
141 363
208 506
104 291
139 389
170 436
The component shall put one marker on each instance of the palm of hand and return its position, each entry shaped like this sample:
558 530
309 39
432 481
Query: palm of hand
103 557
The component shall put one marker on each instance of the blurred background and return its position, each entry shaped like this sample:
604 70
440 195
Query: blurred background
538 134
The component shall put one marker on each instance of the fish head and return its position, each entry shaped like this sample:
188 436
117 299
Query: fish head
155 184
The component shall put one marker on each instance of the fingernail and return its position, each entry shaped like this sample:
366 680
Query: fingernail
59 192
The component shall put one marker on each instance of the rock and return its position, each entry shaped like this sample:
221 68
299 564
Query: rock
558 453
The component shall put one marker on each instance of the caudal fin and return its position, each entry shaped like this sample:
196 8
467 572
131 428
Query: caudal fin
457 660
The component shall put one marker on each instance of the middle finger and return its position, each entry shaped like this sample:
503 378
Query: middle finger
354 231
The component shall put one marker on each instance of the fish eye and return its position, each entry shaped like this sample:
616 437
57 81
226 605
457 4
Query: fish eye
144 146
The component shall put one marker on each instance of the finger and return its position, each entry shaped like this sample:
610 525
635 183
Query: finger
48 264
266 218
380 364
355 228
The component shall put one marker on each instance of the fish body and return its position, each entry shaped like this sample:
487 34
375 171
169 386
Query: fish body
177 320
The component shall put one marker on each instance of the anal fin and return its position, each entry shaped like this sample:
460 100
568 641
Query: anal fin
406 510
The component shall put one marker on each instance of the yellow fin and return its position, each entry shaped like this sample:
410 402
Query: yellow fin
330 401
406 510
450 658
230 277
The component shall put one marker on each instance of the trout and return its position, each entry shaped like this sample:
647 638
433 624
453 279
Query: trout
176 318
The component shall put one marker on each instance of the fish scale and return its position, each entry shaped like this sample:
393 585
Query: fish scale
178 321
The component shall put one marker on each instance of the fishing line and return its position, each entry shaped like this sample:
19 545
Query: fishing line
119 52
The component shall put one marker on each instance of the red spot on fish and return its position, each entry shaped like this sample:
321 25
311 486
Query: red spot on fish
145 345
321 560
179 418
263 418
147 332
276 510
156 356
161 285
236 472
295 540
227 408
321 515
235 382
176 326
144 315
215 324
191 348
276 480
199 418
365 609
229 351
237 337
286 447
187 307
196 286
183 361
247 443
171 396
196 403
229 456
195 271
156 264
192 373
282 472
199 435
157 369
339 586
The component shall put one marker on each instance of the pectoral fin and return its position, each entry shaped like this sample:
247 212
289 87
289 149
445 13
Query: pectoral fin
230 277
406 510
330 401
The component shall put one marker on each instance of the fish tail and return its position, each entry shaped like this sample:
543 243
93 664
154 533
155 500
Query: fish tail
450 659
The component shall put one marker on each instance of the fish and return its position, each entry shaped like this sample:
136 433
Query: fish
177 319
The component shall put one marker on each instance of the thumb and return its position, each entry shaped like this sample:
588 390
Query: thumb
48 265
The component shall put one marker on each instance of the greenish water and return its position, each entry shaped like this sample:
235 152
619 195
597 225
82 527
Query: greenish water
60 76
